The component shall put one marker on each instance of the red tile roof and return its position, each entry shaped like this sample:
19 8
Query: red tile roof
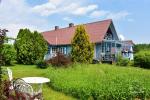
63 36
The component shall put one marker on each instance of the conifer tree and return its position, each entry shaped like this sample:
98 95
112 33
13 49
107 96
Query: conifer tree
82 50
30 46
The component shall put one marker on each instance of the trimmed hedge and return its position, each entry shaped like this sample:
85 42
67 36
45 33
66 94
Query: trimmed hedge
142 59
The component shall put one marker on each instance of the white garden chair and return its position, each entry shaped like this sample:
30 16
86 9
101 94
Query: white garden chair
25 91
10 76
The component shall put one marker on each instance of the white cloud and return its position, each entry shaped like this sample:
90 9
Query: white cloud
98 13
121 37
45 9
68 19
16 14
62 6
84 10
110 15
118 15
56 2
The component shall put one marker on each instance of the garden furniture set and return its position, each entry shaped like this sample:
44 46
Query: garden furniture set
24 87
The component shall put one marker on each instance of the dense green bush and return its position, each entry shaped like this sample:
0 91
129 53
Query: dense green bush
41 64
60 60
122 61
141 47
9 54
142 59
103 82
30 46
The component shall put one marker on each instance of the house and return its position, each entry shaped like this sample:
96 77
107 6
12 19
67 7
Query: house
101 33
127 49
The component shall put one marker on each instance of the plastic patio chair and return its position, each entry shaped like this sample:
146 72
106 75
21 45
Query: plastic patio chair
24 91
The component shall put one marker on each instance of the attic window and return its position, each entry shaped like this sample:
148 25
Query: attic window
109 36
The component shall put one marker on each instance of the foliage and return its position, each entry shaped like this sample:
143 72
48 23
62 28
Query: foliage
6 88
9 54
105 82
141 47
122 61
30 46
2 37
41 64
82 50
142 59
60 60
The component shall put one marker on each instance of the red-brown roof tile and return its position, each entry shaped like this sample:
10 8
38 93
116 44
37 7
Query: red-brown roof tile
63 36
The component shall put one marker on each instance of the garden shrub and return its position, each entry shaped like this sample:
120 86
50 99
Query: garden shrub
142 59
41 64
9 54
60 60
122 61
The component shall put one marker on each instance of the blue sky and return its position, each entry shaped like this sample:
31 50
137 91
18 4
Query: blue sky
130 17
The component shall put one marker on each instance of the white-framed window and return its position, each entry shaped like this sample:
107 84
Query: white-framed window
54 50
61 50
58 49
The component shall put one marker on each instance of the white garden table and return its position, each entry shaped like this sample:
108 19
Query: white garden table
36 80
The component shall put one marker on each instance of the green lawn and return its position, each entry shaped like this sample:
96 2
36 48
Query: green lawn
20 71
90 81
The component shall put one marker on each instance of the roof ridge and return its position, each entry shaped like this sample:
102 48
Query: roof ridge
78 24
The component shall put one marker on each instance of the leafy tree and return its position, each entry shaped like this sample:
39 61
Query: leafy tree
9 54
82 50
141 47
142 59
30 46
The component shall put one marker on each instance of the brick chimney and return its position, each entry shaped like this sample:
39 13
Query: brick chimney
71 24
56 27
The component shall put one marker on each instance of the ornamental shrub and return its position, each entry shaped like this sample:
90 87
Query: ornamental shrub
60 60
82 50
142 59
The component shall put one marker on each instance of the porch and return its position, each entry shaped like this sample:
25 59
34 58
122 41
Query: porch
109 50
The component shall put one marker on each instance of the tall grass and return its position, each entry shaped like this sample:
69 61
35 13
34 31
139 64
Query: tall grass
101 82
